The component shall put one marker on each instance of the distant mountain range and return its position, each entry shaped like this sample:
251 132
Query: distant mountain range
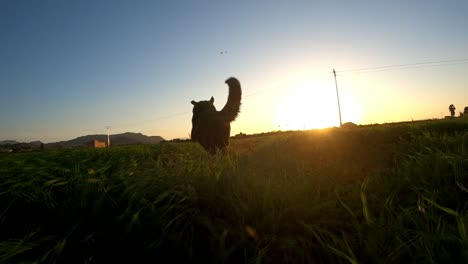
8 142
117 139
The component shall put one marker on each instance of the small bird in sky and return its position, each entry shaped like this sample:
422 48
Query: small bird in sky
223 52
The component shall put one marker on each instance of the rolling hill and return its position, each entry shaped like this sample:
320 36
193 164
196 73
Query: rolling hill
117 139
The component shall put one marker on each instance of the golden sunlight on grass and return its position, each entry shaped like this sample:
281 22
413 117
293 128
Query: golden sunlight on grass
313 105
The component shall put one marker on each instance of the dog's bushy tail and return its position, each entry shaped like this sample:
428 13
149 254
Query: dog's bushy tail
232 107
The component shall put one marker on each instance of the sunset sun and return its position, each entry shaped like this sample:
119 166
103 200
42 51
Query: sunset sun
312 105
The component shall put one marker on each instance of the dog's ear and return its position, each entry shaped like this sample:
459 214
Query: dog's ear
193 102
212 100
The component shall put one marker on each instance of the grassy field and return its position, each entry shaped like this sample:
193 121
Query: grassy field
393 193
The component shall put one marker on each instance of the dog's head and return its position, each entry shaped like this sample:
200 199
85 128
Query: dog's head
203 107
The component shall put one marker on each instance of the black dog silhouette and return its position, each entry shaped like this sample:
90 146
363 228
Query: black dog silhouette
212 128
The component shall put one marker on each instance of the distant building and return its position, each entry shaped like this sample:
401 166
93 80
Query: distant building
5 150
349 125
240 135
97 144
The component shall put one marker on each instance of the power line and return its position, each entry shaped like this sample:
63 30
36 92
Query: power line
344 72
261 91
137 122
170 116
359 71
405 66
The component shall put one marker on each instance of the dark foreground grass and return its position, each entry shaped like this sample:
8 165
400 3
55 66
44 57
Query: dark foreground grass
377 194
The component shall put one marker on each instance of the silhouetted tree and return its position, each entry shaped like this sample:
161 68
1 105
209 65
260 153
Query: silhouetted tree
452 110
466 110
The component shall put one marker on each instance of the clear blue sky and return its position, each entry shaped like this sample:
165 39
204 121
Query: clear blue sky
71 68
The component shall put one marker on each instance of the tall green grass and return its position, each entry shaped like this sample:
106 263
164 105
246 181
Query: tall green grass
376 194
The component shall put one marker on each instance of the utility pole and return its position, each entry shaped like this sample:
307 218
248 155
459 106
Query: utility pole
337 96
108 137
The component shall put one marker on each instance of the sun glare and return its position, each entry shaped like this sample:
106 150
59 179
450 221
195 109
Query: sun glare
314 105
